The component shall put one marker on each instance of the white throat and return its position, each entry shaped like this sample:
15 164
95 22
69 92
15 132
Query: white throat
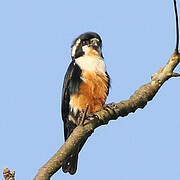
91 64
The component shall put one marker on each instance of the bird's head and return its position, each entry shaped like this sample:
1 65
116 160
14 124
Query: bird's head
86 44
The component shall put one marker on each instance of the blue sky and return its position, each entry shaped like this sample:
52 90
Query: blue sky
138 38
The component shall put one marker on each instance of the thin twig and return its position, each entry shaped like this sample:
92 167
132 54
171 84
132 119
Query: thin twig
177 27
175 75
8 175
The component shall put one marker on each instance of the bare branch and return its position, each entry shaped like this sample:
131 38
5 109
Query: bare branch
138 100
175 75
8 175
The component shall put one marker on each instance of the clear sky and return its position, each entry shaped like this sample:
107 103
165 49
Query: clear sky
138 38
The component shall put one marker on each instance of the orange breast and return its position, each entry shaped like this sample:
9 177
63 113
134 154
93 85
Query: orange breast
92 92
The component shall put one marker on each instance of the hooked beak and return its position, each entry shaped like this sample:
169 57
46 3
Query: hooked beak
95 44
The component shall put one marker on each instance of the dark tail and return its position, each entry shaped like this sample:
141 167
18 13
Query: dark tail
70 164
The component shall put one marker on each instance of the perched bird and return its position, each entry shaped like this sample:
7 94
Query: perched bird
86 83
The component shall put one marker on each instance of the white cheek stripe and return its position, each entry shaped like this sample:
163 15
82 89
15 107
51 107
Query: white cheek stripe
75 47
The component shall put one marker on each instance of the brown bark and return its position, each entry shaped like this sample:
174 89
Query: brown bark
8 175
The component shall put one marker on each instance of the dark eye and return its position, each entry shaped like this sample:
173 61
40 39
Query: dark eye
85 42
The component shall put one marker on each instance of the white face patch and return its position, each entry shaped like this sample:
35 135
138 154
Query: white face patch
75 47
91 64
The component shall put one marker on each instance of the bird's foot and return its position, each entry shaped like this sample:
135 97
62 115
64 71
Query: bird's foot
110 106
83 116
90 118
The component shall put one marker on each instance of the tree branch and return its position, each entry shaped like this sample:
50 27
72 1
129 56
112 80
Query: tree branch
138 100
112 111
8 175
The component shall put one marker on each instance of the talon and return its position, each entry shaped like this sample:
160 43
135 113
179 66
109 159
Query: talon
110 105
90 117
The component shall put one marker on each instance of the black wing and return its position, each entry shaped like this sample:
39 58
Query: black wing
71 85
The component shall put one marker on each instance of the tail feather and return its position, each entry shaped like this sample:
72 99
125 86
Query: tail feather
70 164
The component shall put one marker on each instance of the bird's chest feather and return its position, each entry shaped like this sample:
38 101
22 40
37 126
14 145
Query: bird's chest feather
93 88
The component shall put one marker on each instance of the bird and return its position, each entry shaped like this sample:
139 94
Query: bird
86 84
